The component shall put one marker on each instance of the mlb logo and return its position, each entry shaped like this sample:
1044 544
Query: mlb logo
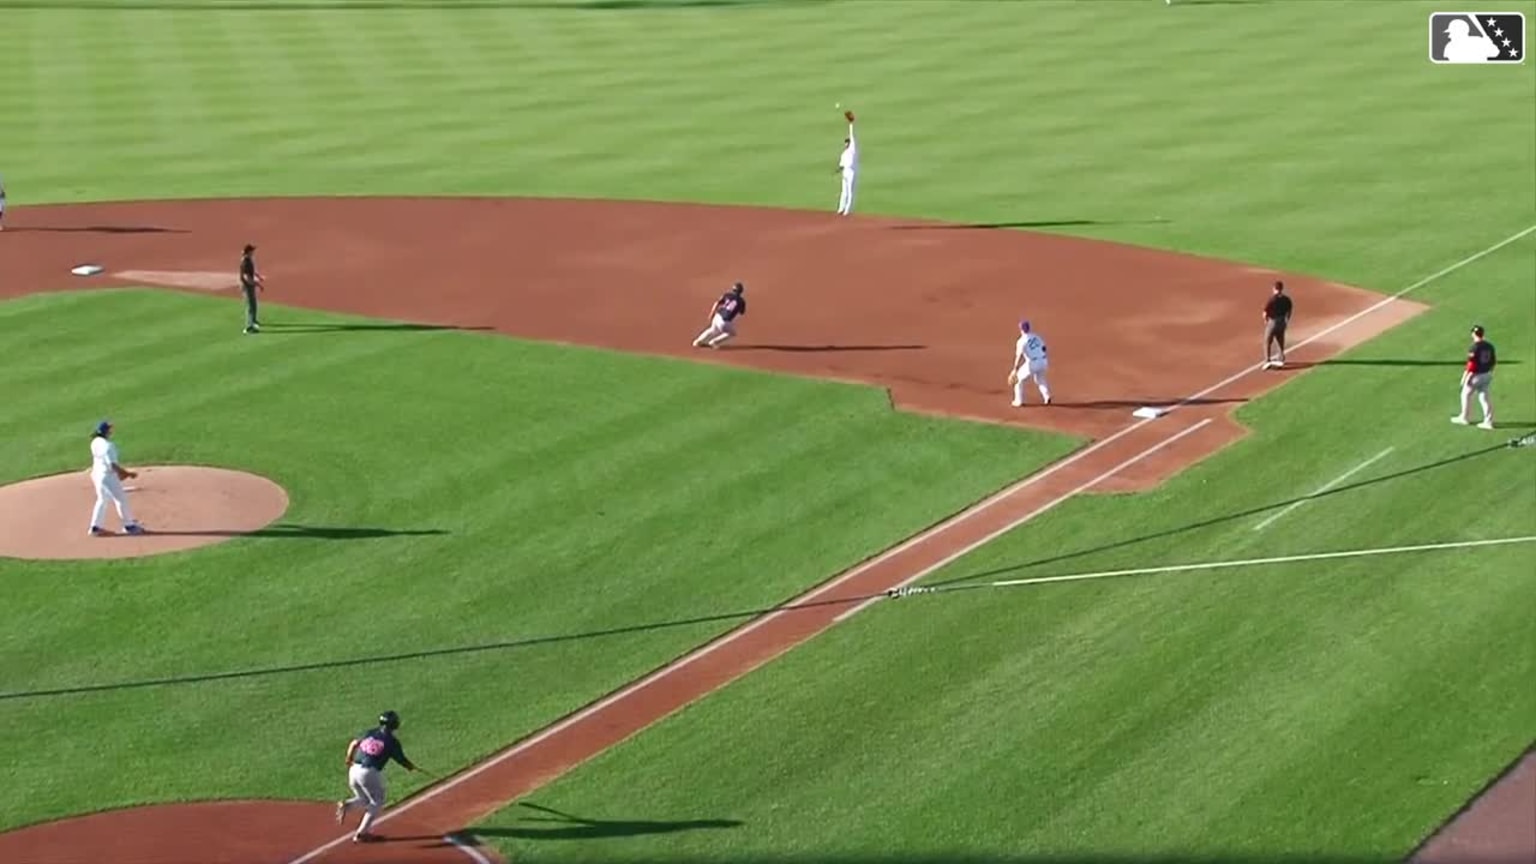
1477 37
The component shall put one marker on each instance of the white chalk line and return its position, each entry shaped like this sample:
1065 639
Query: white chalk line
709 648
1322 489
1014 523
1225 565
1380 304
467 848
963 516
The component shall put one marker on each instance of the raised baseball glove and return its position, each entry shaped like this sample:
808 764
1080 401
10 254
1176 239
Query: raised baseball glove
849 115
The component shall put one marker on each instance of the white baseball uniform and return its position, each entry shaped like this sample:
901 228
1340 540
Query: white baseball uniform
849 163
1030 362
104 478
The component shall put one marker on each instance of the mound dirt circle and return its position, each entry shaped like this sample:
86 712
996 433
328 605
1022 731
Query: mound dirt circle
180 506
225 832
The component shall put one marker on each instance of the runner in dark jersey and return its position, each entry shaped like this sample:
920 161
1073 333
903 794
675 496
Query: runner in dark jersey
367 754
1477 377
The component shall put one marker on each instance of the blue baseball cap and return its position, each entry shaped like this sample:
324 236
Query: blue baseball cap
102 427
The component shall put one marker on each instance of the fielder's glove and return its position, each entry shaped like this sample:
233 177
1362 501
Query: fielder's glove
849 115
1013 377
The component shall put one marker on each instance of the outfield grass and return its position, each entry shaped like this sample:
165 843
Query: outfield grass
559 513
1340 708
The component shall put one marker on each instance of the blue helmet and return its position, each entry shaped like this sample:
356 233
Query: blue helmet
1024 326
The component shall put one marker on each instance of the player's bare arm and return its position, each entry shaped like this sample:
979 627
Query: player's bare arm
351 751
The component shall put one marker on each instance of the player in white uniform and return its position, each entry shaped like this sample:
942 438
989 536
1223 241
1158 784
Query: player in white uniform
848 166
2 203
107 475
1029 362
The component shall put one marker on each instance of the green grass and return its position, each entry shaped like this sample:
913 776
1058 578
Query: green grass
1327 709
560 514
1339 708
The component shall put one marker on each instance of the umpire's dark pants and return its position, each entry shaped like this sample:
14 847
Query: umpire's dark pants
250 305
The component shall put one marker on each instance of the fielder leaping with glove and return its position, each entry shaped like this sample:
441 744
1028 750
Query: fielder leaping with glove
848 166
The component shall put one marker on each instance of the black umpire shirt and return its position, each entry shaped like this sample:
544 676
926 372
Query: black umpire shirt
1278 309
247 273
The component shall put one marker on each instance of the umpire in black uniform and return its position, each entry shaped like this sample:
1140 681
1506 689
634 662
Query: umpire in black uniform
250 283
1277 317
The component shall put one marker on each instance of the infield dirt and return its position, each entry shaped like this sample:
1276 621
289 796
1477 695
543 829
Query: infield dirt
927 311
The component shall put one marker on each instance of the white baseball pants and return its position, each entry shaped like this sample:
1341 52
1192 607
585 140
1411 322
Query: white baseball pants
108 487
1034 372
368 792
845 201
718 331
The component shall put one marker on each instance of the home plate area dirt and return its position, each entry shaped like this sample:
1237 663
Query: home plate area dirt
928 311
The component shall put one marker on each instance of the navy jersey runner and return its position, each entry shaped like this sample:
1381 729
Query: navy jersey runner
376 747
730 305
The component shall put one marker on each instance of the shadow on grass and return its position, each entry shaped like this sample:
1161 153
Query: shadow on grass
94 229
1229 517
816 349
284 530
1447 364
555 825
280 328
1043 223
698 620
1138 403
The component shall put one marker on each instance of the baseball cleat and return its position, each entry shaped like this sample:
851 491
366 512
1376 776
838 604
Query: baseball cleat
135 528
1017 404
1486 424
366 838
1460 421
98 531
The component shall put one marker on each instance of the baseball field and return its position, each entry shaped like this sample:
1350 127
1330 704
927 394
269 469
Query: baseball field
637 601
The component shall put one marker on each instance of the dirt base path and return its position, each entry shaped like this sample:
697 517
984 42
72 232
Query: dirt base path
927 311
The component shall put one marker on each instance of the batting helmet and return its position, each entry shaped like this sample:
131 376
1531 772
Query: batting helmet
389 720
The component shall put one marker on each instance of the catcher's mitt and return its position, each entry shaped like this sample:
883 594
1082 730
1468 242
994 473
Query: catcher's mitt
849 115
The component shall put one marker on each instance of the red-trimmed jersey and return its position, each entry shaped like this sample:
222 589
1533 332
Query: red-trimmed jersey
1481 358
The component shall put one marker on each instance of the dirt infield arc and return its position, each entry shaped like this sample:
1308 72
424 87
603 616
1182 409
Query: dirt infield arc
925 310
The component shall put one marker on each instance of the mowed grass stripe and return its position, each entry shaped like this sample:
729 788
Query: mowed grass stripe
683 500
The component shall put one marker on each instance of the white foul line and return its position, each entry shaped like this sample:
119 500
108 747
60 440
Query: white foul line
705 650
1337 325
1222 565
467 848
1014 523
1324 488
709 648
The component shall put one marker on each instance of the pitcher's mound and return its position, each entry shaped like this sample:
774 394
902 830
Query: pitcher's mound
180 507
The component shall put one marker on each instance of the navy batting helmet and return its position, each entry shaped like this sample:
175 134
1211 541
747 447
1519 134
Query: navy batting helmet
389 720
